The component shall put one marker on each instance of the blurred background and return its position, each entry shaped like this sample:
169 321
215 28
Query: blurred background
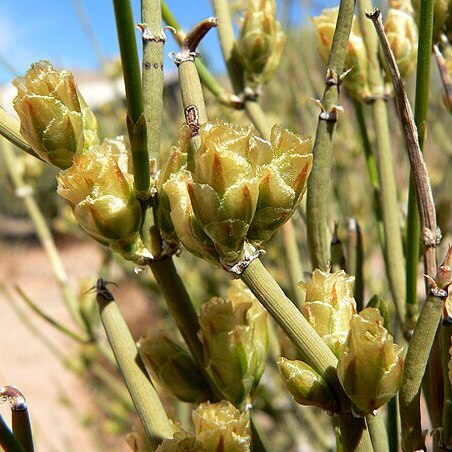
63 381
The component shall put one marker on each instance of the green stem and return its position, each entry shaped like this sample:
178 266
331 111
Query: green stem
10 129
312 349
446 344
152 78
20 421
354 432
136 122
207 79
293 262
112 384
43 232
140 387
227 41
57 325
258 443
355 258
191 89
394 259
415 364
425 43
319 180
378 433
372 170
235 70
7 440
179 305
258 118
89 32
392 425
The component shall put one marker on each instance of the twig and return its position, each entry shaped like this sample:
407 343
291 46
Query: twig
152 72
393 254
9 128
319 180
139 384
430 232
421 104
20 417
136 122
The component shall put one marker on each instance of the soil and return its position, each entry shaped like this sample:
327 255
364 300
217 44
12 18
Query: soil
57 399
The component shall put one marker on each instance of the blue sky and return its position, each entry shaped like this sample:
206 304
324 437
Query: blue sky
50 29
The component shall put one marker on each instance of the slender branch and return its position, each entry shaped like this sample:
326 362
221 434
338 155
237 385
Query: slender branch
372 170
20 418
394 259
190 85
446 346
138 382
415 363
152 72
10 129
431 235
57 325
319 180
312 349
354 433
136 122
355 258
227 41
378 433
235 70
293 262
179 305
207 79
7 440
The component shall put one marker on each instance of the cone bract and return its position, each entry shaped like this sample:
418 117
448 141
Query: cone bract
236 186
181 442
401 31
173 366
100 191
235 340
305 384
221 426
356 56
329 306
261 41
54 118
370 367
284 164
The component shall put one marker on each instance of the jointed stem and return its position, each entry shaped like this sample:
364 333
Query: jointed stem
152 78
319 180
136 122
140 387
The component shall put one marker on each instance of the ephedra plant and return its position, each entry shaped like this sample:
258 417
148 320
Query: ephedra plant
223 192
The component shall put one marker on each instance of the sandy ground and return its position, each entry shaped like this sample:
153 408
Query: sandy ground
27 363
